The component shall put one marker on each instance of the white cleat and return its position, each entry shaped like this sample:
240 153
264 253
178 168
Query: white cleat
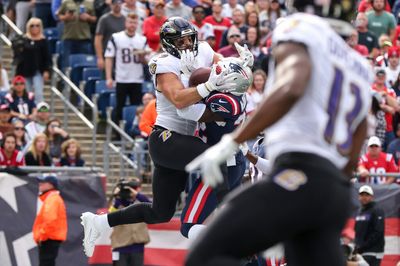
91 234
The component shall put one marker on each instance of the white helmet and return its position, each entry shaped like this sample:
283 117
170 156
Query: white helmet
243 75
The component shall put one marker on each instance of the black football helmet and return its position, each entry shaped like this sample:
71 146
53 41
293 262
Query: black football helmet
173 29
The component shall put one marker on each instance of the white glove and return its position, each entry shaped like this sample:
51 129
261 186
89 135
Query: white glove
209 161
244 148
188 62
245 55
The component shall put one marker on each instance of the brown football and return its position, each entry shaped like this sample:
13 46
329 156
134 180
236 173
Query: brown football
199 76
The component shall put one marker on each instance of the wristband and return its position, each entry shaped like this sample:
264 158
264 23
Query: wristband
202 90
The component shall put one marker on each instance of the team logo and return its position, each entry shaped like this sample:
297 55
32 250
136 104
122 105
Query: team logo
290 179
215 107
166 134
152 68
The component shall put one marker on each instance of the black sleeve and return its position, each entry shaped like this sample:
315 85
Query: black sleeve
376 229
29 159
46 160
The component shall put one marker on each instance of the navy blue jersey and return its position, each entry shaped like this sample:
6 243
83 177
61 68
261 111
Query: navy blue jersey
228 106
23 105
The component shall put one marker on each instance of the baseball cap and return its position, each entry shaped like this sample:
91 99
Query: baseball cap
374 141
50 179
209 35
18 78
366 189
380 71
387 43
42 107
393 51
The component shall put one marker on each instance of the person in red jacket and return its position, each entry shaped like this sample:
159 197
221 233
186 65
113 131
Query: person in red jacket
219 23
50 226
152 25
376 162
9 155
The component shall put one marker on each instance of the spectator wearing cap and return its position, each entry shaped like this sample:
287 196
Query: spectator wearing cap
238 21
175 8
10 156
380 21
393 68
132 7
39 124
38 151
5 125
369 228
384 44
389 98
366 37
152 25
375 161
204 29
50 226
108 24
230 49
219 22
21 102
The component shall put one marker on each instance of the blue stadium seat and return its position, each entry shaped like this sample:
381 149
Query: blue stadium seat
59 52
51 33
89 77
128 114
104 96
78 62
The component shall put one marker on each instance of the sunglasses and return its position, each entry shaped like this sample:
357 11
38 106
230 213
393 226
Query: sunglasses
19 128
19 83
235 36
373 146
34 25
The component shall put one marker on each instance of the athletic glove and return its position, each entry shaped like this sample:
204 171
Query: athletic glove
209 162
188 62
244 148
220 80
245 55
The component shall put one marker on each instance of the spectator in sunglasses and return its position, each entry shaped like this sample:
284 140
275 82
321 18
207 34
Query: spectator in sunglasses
229 50
19 132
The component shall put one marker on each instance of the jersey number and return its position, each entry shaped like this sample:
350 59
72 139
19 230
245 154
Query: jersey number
333 108
128 57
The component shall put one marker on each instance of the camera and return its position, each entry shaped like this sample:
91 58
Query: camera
124 191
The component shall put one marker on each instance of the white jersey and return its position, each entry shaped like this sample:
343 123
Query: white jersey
128 68
167 113
206 30
336 99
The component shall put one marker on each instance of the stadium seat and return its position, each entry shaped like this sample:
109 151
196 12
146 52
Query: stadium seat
89 77
104 96
59 52
77 62
52 38
128 114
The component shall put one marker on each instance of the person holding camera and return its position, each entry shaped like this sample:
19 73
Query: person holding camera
128 240
56 136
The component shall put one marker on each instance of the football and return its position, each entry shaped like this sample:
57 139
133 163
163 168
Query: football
199 76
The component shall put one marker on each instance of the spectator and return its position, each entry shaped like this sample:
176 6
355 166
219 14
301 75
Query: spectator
21 103
10 156
129 72
253 42
376 162
175 8
152 25
380 21
369 228
132 7
148 119
384 44
19 132
34 62
230 49
203 28
50 226
210 39
77 18
39 124
5 125
219 22
71 150
37 154
255 92
108 24
376 118
56 136
239 22
4 83
229 7
23 10
252 19
128 240
393 68
394 145
366 37
366 5
43 12
352 41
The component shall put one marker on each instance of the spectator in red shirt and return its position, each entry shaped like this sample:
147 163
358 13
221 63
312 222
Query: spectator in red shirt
230 49
152 25
218 21
352 41
376 162
9 155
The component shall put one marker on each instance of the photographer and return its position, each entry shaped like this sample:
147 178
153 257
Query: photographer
128 240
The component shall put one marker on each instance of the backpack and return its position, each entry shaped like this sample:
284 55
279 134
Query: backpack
18 47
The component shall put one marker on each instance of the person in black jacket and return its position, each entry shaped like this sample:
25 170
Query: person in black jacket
37 154
370 228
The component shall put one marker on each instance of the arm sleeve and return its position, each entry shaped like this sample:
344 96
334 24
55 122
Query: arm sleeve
263 165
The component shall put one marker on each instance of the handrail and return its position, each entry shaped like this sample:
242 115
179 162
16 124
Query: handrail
393 174
59 169
11 24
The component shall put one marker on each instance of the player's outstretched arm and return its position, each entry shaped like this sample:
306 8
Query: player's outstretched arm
293 71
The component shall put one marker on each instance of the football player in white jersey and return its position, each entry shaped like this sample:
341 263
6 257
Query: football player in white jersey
172 144
314 113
